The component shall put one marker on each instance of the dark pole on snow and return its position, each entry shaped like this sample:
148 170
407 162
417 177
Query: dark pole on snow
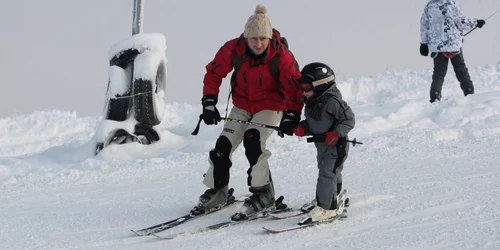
138 17
321 138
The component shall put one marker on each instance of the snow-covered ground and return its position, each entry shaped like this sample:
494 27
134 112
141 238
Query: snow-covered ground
427 176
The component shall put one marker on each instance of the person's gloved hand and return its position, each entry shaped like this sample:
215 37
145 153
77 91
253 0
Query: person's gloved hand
289 121
300 130
480 23
424 49
331 138
210 113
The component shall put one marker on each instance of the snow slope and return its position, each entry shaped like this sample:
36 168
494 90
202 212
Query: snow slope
427 176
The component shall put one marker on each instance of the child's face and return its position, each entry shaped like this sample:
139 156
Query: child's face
308 94
307 89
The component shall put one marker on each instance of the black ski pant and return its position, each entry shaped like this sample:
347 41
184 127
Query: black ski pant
461 72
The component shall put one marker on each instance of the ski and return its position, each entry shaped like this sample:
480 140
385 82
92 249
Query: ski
290 214
182 219
287 229
281 208
340 204
209 228
299 212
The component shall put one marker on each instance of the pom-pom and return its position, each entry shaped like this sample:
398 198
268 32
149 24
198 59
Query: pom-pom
260 9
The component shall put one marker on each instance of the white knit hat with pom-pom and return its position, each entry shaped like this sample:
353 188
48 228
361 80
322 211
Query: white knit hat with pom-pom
258 24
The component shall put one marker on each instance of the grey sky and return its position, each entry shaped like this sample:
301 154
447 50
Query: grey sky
54 52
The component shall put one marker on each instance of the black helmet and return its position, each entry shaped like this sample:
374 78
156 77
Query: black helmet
317 76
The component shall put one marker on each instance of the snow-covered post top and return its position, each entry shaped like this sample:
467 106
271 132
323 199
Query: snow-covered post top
138 16
151 48
155 42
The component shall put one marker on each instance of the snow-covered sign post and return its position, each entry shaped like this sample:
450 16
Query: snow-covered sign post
134 101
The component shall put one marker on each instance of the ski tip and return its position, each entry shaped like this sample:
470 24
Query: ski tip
138 233
270 230
162 238
277 217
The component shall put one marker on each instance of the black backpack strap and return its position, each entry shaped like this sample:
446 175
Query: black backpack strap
275 72
274 63
237 61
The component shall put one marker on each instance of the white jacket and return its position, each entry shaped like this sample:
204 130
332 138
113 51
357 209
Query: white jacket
442 25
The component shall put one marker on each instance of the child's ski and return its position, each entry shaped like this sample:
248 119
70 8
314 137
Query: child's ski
287 229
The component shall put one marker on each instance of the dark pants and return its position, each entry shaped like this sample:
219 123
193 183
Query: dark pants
330 163
440 69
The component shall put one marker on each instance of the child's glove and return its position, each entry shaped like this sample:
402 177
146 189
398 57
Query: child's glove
300 130
331 138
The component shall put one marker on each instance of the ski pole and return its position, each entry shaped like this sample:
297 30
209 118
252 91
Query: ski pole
321 138
255 124
494 13
196 130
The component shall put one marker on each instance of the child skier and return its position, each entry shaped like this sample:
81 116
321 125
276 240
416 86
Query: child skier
328 119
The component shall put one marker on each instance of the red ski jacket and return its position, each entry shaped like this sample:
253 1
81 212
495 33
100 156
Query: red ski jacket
254 87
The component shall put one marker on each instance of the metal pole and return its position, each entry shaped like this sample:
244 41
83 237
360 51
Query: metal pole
138 17
251 123
196 130
255 124
468 32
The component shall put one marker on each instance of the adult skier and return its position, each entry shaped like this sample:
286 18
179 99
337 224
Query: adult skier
441 28
264 91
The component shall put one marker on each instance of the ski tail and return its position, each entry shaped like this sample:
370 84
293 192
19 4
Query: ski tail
182 219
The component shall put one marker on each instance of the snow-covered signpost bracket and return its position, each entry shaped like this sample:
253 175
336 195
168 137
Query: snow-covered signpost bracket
134 101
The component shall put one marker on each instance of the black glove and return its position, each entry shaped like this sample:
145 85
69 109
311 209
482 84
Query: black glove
424 49
289 121
210 113
480 23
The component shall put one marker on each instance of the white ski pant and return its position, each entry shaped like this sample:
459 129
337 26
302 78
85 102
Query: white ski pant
254 139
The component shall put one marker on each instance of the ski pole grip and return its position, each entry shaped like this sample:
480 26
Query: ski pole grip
316 139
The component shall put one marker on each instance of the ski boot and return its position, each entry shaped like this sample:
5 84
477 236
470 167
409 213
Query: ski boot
261 201
318 214
468 90
212 199
435 95
308 207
